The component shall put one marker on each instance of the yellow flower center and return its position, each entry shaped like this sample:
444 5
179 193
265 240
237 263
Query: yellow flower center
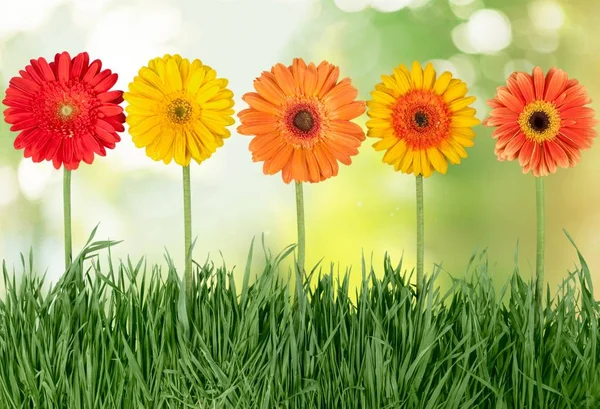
179 111
540 121
65 111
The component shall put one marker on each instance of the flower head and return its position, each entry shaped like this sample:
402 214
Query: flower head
301 116
178 110
64 110
542 121
422 121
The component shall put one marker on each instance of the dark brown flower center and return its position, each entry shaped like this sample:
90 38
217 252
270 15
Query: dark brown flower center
421 119
539 121
304 121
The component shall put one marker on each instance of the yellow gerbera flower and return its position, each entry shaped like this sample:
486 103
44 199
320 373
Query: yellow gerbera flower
179 110
423 122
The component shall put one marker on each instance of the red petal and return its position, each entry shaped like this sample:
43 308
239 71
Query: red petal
63 66
80 65
25 124
92 71
110 110
525 83
41 65
555 84
26 138
557 154
509 100
99 78
106 83
25 85
111 96
538 82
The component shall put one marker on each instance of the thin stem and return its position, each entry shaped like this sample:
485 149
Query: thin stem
539 265
420 234
301 226
187 221
67 215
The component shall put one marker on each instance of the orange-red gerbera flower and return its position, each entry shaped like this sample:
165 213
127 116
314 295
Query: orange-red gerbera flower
64 110
542 121
301 116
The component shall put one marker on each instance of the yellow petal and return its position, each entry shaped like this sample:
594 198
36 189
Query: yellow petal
385 143
380 113
437 160
417 75
206 92
180 149
455 92
442 83
426 168
173 76
383 97
428 76
417 163
464 121
406 161
390 83
194 81
395 153
461 103
142 89
402 77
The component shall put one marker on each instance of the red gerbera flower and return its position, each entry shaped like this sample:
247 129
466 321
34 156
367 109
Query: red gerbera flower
64 110
542 121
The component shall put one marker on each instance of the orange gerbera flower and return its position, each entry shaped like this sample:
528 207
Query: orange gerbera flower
301 116
542 121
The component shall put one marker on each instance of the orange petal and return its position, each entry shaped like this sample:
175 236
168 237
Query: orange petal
284 78
267 87
349 111
279 159
257 102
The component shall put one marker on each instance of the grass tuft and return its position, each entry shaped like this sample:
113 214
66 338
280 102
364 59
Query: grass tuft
125 337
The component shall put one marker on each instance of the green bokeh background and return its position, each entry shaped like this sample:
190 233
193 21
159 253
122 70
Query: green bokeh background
368 208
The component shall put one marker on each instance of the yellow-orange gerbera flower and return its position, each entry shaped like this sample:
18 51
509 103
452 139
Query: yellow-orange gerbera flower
301 116
423 121
179 110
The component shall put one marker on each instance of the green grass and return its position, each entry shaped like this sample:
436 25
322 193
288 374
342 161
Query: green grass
125 338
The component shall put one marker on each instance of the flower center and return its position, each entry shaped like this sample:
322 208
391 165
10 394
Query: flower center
65 111
304 121
179 111
421 119
540 121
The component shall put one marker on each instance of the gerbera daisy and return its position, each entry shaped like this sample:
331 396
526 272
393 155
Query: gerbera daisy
301 116
64 110
542 121
422 121
179 110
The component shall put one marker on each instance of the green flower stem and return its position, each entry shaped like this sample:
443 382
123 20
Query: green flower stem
420 234
301 227
539 265
187 220
67 214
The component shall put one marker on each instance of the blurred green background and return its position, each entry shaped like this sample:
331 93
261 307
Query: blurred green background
368 208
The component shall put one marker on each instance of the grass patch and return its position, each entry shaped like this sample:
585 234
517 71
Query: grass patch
125 338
